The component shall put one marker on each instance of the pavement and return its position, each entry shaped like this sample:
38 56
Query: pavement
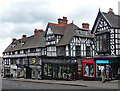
95 84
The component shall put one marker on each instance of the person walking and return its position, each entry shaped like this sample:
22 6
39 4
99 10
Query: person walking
103 75
119 73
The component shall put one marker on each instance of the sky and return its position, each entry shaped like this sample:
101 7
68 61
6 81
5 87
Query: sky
18 17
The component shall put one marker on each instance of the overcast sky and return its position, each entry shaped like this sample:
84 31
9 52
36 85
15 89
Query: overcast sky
19 17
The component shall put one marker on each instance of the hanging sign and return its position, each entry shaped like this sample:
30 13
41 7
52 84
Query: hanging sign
33 60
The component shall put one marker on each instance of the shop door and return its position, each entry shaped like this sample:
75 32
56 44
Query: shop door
36 74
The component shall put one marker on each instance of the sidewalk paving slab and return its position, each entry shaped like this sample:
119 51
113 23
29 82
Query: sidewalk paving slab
95 84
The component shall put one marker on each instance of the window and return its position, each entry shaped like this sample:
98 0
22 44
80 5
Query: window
88 69
78 50
103 43
61 51
88 51
47 70
33 50
51 51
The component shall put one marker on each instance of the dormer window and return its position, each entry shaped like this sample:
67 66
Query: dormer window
82 32
22 43
13 45
49 31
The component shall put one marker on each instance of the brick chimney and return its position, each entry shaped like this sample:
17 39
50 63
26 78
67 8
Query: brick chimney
111 10
62 21
85 25
14 39
38 31
24 36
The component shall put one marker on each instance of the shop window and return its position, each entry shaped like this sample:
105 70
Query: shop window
88 69
47 70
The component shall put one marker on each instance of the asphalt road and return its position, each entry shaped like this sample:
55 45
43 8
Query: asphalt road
8 84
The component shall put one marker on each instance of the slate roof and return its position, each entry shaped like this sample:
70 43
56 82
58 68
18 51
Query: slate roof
113 19
69 33
67 30
29 42
57 28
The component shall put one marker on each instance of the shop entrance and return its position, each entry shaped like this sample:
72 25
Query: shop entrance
100 64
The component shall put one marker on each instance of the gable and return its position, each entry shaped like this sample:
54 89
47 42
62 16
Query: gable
101 23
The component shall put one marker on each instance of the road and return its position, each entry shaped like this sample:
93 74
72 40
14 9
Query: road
8 84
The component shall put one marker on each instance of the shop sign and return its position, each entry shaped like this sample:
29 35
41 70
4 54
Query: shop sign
32 66
33 60
102 61
79 66
7 66
90 60
13 67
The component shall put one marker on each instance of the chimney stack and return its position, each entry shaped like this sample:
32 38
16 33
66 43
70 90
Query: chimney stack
24 36
85 25
62 21
14 39
38 31
111 10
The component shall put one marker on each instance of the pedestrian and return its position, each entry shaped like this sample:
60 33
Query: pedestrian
119 73
103 75
74 76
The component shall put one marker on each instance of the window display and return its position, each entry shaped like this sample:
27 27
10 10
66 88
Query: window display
88 67
47 70
88 70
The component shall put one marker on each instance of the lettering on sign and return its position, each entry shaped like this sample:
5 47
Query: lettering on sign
87 60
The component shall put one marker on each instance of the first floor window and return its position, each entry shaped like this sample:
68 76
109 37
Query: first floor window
103 43
78 50
87 51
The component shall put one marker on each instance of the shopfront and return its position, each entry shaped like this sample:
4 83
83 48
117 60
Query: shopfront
21 71
59 70
100 64
13 70
6 70
35 67
111 68
35 71
88 68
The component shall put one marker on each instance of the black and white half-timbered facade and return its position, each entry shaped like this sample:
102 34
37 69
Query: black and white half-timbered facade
66 45
50 54
107 43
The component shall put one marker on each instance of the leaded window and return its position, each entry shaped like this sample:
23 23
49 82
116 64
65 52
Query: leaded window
78 50
103 43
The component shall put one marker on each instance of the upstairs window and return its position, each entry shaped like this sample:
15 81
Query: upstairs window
78 50
61 51
22 43
32 50
88 51
103 43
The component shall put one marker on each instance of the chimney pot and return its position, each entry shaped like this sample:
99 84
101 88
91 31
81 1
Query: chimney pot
85 25
14 39
24 36
38 31
62 21
64 18
110 10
